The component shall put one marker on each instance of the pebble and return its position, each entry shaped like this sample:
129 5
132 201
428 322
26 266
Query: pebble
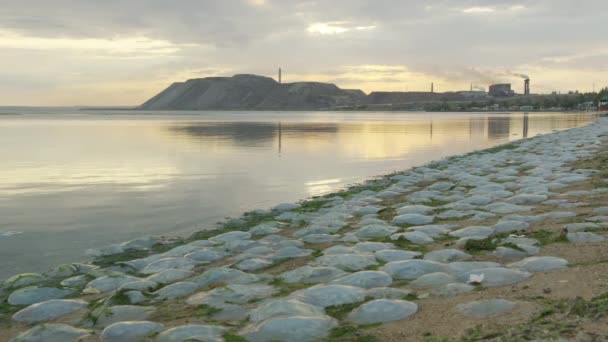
311 275
348 262
176 290
412 269
290 329
447 255
389 255
284 307
130 331
382 310
415 219
53 333
584 237
365 279
192 332
330 295
32 295
540 264
48 310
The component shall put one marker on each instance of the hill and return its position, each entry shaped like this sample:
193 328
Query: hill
251 92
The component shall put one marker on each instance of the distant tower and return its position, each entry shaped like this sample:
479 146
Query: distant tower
471 87
432 87
280 75
527 86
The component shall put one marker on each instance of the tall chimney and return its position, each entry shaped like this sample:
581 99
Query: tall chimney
432 88
527 86
279 75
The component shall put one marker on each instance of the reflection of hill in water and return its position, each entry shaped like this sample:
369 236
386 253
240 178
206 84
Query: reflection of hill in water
252 133
406 133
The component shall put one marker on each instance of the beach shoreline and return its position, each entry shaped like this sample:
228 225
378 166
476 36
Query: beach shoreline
482 207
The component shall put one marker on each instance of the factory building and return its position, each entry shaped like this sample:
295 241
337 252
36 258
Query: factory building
603 104
501 90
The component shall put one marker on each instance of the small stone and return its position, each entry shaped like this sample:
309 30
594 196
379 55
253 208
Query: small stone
485 308
253 264
32 295
231 236
375 231
295 328
286 207
496 276
284 307
382 310
526 199
575 227
291 252
506 208
584 237
192 332
556 215
222 275
169 263
433 230
69 270
177 290
415 209
75 281
510 226
170 276
311 275
389 255
365 279
370 209
418 238
348 262
205 256
139 285
472 231
130 331
540 264
135 297
108 283
508 253
25 279
232 294
416 219
371 247
447 255
412 269
48 310
339 249
320 238
433 280
52 333
107 316
330 295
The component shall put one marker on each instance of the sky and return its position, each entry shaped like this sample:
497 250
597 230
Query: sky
111 52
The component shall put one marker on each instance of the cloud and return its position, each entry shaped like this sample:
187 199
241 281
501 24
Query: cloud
334 28
477 9
375 45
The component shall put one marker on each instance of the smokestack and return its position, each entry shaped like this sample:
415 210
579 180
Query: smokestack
280 75
471 87
432 88
527 86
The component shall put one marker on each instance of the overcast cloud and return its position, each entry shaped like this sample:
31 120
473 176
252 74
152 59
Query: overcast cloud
89 52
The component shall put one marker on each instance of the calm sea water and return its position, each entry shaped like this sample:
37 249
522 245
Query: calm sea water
73 180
